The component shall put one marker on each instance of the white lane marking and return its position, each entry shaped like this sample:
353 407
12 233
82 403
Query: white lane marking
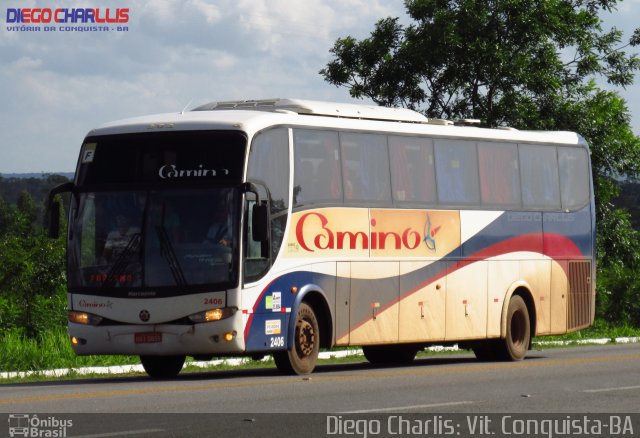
620 388
124 432
406 408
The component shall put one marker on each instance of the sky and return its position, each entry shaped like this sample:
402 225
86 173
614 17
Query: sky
175 54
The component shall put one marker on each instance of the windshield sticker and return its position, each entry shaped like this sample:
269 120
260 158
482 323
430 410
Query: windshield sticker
88 152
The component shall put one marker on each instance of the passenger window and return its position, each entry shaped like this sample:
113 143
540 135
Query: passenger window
457 172
317 176
539 177
365 167
574 177
413 176
499 175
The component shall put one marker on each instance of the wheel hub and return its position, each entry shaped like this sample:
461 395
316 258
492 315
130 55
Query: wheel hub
306 338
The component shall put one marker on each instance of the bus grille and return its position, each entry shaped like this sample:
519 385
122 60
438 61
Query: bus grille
580 302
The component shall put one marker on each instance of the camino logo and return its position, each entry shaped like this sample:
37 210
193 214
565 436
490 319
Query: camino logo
430 234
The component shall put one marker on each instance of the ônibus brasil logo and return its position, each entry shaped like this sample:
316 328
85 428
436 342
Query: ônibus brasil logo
67 19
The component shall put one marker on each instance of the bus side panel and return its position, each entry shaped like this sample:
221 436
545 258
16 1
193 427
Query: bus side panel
501 275
568 239
422 310
568 235
537 274
559 295
375 292
466 314
270 314
343 303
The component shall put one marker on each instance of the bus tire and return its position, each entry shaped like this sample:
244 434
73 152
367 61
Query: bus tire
162 367
302 358
518 337
390 354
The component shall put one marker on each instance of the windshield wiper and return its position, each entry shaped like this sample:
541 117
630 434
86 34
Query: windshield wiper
166 249
122 261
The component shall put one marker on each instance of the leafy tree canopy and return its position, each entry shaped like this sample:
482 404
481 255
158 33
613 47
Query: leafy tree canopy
479 58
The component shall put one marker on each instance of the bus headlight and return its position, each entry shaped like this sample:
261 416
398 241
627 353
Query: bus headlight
212 315
84 318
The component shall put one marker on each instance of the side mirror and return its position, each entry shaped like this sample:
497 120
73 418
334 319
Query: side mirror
52 216
260 223
54 220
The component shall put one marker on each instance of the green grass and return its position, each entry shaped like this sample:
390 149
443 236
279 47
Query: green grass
599 330
50 350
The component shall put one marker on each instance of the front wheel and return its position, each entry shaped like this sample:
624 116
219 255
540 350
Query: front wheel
162 367
302 358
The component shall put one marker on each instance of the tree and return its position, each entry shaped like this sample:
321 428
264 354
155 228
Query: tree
479 59
32 278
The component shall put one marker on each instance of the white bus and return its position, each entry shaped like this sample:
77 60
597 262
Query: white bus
280 227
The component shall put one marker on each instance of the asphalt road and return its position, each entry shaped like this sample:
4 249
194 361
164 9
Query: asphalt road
601 379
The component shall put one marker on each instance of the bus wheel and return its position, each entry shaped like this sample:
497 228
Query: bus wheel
162 367
301 359
516 343
390 354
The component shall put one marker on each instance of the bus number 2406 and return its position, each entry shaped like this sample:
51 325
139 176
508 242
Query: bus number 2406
277 341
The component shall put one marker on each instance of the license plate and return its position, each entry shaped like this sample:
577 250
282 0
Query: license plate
147 338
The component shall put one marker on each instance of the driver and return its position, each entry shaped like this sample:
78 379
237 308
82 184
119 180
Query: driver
118 239
219 231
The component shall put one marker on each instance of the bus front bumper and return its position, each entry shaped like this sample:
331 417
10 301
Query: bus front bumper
219 337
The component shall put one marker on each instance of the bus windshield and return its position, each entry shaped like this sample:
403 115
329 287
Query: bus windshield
154 242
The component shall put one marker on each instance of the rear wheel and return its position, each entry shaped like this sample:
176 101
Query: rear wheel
516 343
162 367
390 354
302 358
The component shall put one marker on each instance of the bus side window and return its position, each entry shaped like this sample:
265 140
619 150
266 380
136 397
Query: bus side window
413 176
457 172
317 172
365 167
499 175
574 177
539 173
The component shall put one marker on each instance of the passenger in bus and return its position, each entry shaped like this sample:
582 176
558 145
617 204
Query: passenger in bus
119 239
327 183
